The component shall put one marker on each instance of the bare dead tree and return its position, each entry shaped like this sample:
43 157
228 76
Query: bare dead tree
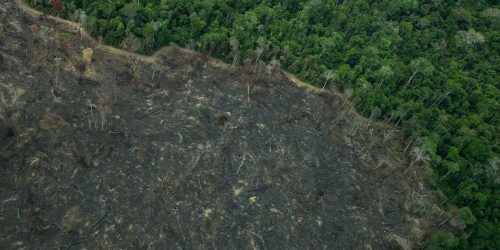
82 17
389 135
235 50
104 108
156 67
419 154
44 33
328 76
273 66
348 94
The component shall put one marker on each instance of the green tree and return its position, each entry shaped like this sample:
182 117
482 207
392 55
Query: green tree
419 65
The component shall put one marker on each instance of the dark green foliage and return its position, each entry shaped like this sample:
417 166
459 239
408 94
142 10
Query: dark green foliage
429 66
443 240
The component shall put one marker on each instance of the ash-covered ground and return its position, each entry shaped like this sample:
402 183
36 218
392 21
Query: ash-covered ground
104 149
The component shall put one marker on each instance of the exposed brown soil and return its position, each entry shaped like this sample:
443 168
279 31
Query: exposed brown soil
100 148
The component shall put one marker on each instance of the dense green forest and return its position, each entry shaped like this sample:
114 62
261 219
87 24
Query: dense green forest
430 67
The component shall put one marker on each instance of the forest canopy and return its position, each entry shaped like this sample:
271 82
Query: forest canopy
430 67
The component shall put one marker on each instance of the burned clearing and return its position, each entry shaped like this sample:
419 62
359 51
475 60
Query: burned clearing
100 148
